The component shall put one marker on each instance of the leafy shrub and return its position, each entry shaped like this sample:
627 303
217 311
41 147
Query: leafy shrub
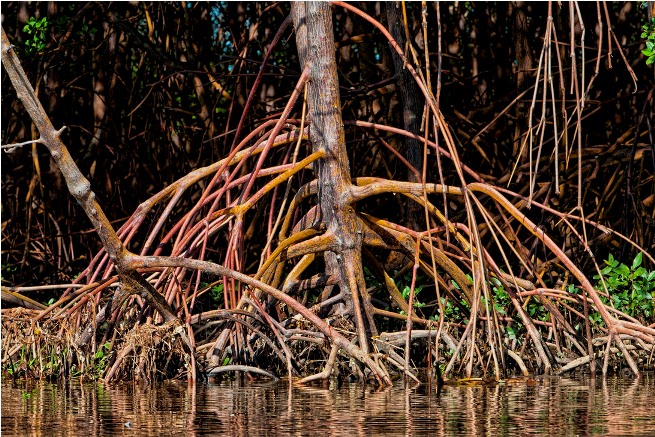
36 28
630 288
649 35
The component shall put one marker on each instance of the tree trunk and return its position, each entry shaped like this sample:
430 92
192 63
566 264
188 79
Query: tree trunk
315 40
524 65
412 104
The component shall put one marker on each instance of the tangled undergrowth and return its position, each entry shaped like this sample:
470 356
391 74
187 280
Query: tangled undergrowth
290 261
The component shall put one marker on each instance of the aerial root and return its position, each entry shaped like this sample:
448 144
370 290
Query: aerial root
241 368
519 361
327 371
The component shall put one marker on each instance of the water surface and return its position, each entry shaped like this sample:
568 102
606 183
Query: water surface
548 406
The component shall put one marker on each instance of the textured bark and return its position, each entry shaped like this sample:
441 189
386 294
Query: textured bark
523 55
78 185
315 40
412 105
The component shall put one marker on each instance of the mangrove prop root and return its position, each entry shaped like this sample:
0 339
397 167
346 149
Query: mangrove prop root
329 234
325 374
78 185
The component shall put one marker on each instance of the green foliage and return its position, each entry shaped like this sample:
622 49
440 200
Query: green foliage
216 293
36 29
503 303
23 364
7 269
452 311
501 297
101 359
370 279
406 291
537 311
404 285
649 35
51 361
86 30
631 288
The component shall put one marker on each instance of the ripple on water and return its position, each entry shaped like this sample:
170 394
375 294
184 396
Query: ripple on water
552 406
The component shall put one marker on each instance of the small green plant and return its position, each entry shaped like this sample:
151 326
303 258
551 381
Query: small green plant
501 297
649 35
36 28
101 359
452 311
536 310
7 269
406 291
630 288
86 30
403 284
216 293
23 365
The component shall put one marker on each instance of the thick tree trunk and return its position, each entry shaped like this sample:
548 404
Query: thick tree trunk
315 40
524 60
412 104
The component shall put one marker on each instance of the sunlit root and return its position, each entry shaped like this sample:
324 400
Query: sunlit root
327 371
241 368
287 244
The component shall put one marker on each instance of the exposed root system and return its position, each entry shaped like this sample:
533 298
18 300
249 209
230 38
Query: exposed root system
279 260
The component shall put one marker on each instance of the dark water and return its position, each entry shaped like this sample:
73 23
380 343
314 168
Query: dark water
549 406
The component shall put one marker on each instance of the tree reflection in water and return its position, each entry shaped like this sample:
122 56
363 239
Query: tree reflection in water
548 406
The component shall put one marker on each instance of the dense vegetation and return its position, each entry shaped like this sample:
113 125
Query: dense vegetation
463 186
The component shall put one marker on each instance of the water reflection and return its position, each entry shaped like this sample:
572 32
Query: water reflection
550 406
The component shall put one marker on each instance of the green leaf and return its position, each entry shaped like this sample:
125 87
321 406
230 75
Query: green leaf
610 260
637 262
623 270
